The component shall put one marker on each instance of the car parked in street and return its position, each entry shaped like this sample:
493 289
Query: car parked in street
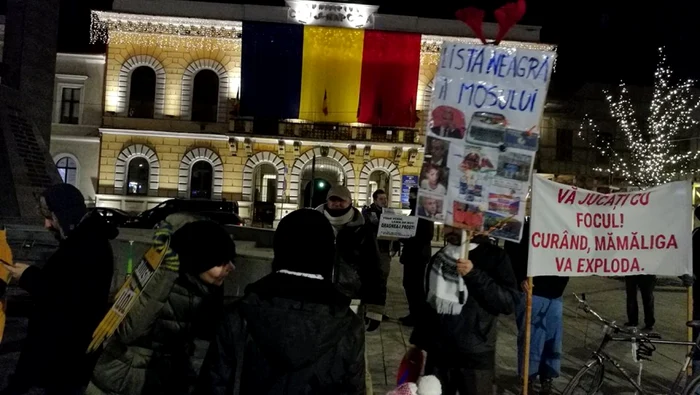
224 212
113 216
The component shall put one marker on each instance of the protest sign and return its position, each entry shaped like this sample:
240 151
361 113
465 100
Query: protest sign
397 226
575 232
482 137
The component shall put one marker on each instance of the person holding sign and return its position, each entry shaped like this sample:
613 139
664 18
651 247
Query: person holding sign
163 339
547 323
373 215
70 295
458 329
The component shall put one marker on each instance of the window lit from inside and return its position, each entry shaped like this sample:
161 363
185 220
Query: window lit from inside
68 170
142 93
70 105
205 96
137 177
201 180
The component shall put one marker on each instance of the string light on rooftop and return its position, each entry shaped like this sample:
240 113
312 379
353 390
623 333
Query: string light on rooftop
652 158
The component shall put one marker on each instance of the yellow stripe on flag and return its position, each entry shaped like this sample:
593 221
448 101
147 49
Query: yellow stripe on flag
332 66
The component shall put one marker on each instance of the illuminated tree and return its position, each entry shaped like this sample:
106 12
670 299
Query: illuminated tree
650 138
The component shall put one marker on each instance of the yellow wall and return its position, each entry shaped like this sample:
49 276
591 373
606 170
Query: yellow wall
171 150
175 57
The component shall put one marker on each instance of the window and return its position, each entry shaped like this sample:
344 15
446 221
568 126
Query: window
70 105
265 183
604 142
68 170
205 96
142 93
137 177
201 180
565 143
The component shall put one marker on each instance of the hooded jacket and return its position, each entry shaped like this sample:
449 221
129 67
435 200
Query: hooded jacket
289 335
70 295
357 272
468 340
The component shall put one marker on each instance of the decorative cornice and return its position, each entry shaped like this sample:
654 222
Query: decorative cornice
154 133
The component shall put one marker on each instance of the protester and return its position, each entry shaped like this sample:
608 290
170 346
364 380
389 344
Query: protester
458 329
293 332
646 285
546 325
417 251
357 273
162 341
688 281
372 215
70 296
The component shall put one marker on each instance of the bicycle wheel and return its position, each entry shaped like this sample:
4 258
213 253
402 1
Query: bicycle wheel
693 386
588 380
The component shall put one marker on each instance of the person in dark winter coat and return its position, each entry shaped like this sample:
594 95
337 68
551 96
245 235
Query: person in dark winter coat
358 273
372 215
70 295
461 348
415 257
160 345
293 333
547 323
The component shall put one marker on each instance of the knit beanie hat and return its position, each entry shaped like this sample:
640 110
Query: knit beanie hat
67 203
202 245
304 242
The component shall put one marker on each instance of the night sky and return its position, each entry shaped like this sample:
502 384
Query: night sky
599 41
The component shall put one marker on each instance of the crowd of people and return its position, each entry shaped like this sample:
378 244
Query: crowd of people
300 329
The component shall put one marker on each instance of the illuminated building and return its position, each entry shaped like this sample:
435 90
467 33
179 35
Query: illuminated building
233 101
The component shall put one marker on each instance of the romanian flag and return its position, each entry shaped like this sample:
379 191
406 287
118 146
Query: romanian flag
327 74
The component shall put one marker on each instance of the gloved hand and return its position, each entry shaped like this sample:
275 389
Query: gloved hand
687 280
371 325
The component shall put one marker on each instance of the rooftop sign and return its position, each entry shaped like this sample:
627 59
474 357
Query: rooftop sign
355 16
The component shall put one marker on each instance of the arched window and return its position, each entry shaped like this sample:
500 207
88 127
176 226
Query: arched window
265 182
378 179
201 180
68 170
137 177
205 96
142 93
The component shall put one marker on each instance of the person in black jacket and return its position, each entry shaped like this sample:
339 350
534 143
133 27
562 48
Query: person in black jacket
372 215
546 325
357 273
417 251
461 348
293 332
70 295
161 343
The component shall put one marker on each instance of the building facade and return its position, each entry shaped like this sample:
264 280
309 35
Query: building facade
76 120
265 105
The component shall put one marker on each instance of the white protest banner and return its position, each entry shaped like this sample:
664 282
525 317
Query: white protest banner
397 226
575 232
482 136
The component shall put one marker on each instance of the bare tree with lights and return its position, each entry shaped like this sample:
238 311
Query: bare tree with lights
652 159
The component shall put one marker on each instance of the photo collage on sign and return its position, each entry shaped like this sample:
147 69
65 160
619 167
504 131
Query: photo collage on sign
480 167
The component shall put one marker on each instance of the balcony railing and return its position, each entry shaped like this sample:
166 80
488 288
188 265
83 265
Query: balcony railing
324 131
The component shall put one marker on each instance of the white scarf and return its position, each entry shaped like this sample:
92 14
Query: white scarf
300 274
446 290
339 222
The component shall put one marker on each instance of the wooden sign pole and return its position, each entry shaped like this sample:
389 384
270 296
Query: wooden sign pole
528 333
